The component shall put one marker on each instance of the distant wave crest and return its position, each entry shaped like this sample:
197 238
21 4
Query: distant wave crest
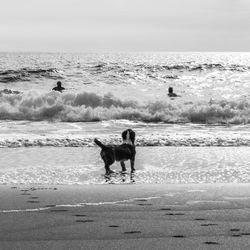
188 66
26 74
87 107
119 71
163 72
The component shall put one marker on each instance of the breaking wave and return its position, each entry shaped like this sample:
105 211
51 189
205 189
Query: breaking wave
141 141
88 107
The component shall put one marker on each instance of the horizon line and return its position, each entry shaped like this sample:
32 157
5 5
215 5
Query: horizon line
125 51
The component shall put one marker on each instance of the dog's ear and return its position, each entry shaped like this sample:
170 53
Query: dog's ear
132 135
124 134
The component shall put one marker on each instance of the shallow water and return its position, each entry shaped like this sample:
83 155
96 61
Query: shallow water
50 165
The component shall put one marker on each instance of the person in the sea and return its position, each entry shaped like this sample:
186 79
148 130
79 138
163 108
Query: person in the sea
59 87
171 92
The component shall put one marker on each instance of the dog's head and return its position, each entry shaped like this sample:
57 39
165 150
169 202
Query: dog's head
128 136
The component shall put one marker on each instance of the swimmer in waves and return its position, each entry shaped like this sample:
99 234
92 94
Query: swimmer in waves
59 87
171 93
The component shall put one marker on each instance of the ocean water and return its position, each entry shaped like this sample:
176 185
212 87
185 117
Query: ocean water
107 93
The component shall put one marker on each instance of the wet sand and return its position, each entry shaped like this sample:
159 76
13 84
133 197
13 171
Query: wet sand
197 216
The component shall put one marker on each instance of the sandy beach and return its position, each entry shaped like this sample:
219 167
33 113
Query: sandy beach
197 216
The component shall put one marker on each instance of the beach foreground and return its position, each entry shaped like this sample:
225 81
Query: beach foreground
197 216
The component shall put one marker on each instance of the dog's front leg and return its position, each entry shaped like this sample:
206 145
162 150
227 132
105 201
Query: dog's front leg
123 166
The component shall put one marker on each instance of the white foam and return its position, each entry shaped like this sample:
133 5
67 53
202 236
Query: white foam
88 106
236 197
196 191
207 202
126 202
25 210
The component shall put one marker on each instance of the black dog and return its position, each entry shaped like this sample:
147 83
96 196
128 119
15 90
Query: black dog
125 151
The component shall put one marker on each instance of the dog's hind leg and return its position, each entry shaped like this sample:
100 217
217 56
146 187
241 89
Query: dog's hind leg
108 161
132 164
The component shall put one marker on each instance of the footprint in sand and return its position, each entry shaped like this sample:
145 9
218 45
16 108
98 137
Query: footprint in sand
84 221
80 215
132 232
33 201
200 219
174 214
178 236
211 243
209 224
245 234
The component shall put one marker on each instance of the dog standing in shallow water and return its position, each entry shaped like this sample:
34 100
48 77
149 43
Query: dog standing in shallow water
125 151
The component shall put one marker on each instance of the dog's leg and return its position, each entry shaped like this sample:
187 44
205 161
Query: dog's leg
123 166
108 170
108 161
132 163
132 176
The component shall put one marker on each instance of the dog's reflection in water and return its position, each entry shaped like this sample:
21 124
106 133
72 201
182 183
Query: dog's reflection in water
114 177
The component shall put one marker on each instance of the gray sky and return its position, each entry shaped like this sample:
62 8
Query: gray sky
124 25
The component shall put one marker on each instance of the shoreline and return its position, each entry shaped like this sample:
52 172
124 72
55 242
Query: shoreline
108 194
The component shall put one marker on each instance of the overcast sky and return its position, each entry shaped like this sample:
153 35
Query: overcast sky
124 25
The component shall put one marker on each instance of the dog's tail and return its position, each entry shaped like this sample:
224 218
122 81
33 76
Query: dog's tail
100 144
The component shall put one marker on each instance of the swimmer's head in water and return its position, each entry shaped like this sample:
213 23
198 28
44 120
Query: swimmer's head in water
59 84
170 90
